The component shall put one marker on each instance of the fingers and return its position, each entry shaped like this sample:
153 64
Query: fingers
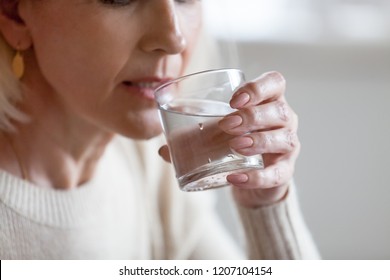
261 105
268 87
278 171
275 175
270 115
278 141
263 124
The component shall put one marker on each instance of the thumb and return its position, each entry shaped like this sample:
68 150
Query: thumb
164 153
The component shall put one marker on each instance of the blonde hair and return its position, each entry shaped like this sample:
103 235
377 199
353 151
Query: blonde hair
10 90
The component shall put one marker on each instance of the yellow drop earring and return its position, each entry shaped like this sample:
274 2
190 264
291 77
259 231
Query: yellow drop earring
18 65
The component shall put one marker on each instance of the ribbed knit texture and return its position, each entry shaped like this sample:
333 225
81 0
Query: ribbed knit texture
49 207
278 231
133 209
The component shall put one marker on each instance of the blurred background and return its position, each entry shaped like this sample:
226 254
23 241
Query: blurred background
335 56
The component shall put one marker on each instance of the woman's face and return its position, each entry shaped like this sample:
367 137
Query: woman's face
103 58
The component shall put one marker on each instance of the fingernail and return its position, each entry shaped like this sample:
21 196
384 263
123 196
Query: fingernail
241 143
230 122
237 178
239 100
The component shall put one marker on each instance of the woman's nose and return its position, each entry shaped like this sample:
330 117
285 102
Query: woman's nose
162 29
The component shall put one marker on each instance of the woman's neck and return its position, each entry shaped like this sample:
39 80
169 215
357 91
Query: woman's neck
57 148
58 163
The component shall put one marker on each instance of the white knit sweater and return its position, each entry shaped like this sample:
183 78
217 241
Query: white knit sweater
133 209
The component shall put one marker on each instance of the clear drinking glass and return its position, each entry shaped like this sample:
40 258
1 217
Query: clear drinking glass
190 108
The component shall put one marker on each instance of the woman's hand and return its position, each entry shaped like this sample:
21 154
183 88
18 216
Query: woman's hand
264 124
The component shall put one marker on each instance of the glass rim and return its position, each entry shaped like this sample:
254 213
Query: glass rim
178 79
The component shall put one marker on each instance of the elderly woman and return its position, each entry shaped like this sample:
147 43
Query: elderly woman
80 177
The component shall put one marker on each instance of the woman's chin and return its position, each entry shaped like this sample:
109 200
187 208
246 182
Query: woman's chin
150 134
138 126
144 132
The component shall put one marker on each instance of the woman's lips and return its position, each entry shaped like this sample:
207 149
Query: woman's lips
144 88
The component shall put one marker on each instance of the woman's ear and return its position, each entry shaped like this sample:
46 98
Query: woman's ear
12 27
